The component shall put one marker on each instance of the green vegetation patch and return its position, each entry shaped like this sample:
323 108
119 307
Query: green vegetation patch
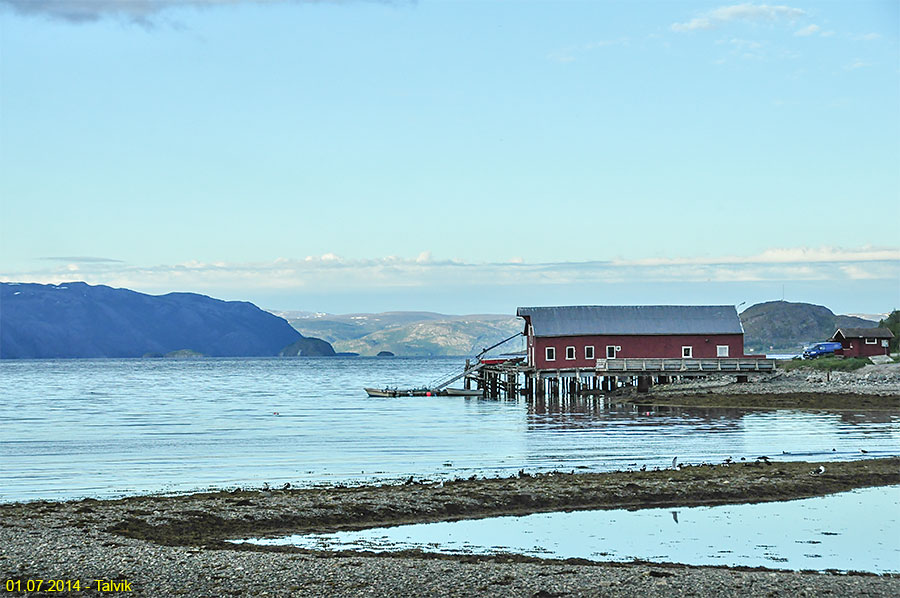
892 323
825 364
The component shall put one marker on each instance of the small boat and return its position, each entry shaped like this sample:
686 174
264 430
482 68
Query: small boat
397 392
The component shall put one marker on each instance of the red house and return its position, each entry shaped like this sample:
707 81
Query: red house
573 337
863 342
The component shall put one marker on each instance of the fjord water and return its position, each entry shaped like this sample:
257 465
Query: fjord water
104 428
836 531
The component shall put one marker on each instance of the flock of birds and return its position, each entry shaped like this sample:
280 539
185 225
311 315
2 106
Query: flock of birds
761 459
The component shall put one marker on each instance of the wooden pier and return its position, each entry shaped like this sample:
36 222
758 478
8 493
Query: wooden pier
514 379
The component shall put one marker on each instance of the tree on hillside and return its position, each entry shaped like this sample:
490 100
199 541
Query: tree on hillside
892 323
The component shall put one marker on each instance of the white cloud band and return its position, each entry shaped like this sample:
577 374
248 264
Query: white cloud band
330 272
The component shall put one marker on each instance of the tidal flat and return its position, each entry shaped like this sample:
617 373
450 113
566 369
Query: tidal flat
178 544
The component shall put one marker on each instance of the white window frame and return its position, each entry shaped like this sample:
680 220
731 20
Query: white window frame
687 351
614 348
871 341
589 352
721 350
570 350
550 353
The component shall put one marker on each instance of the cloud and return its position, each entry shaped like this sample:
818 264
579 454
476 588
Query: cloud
331 273
746 12
807 31
804 255
137 11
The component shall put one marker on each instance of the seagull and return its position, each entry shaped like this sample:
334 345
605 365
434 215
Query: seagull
821 469
675 463
763 458
727 460
643 468
675 516
863 451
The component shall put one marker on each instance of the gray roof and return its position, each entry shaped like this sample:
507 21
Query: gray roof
865 333
633 319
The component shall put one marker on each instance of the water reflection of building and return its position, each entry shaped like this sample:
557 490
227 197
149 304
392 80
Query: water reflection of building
591 411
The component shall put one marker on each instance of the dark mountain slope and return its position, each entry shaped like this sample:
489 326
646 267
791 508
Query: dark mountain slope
784 326
79 320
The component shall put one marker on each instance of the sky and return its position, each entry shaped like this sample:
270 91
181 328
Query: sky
454 156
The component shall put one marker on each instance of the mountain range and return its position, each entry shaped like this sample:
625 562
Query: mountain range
80 320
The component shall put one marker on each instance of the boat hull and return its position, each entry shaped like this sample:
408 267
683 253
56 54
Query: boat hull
396 392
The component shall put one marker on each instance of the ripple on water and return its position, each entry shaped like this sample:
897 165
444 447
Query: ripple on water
102 428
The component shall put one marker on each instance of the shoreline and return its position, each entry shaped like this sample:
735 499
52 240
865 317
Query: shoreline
177 544
871 388
761 400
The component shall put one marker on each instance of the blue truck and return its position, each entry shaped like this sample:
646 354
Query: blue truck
821 349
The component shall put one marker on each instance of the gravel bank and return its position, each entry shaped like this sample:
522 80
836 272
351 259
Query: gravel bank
873 387
167 546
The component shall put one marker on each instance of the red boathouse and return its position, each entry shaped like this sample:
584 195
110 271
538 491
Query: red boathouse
863 342
563 338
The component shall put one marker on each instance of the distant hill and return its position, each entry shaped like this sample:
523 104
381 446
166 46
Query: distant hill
79 320
778 326
409 333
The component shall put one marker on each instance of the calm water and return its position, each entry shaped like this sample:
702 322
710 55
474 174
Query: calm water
827 532
102 428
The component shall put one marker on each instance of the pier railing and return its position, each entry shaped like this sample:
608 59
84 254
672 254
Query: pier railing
681 366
